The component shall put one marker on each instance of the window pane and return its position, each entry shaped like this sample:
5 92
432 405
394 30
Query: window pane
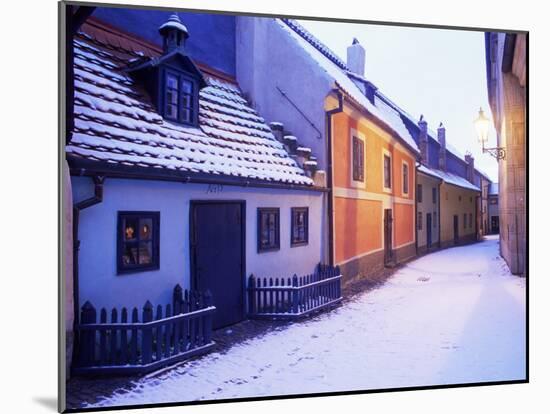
186 87
186 115
387 171
130 254
145 253
145 229
171 81
130 229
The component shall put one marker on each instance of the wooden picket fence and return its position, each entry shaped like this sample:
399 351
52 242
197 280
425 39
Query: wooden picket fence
290 298
132 346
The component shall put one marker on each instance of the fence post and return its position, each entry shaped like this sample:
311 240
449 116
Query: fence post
339 284
251 292
178 299
87 341
146 339
295 293
207 319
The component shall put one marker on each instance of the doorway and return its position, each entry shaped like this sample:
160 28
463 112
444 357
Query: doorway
388 232
218 256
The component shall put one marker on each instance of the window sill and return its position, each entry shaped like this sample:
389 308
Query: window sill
270 249
125 271
298 244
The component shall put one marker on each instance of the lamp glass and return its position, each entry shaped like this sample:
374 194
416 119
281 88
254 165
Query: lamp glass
482 127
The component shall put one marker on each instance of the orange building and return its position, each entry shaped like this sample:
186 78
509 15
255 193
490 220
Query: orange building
373 178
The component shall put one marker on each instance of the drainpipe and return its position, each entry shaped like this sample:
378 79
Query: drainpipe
418 164
81 205
330 180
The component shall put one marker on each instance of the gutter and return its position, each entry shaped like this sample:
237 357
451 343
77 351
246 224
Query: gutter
82 167
330 180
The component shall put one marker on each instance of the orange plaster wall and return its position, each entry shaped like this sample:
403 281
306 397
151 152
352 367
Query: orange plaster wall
343 124
358 227
403 223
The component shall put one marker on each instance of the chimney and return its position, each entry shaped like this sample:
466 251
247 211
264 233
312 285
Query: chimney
174 34
356 58
470 167
423 139
442 147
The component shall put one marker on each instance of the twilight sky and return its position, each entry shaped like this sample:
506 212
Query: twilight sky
435 72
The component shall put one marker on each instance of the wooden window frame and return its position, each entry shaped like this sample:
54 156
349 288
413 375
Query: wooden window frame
419 193
419 220
194 96
388 189
357 172
277 245
293 211
405 181
155 241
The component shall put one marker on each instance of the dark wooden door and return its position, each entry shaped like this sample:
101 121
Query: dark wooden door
217 257
455 229
494 224
388 232
429 230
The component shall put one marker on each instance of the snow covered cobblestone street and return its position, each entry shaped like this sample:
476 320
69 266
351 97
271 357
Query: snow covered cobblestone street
454 316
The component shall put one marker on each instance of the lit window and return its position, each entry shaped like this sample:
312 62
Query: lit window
137 241
268 229
299 226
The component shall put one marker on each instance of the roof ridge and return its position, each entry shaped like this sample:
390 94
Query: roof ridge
315 42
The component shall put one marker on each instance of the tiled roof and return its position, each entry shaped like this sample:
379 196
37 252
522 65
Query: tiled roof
338 71
116 123
448 178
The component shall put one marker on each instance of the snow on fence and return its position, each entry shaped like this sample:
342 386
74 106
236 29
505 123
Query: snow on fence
294 297
134 346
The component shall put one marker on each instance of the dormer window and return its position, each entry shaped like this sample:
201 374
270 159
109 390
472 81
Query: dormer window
180 98
173 80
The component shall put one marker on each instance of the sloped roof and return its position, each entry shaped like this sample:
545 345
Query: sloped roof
493 189
116 123
448 178
337 70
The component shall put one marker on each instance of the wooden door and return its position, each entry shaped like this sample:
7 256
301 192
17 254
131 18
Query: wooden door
217 256
455 229
388 232
429 230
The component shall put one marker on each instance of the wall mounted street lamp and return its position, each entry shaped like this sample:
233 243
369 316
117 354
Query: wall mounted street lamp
482 128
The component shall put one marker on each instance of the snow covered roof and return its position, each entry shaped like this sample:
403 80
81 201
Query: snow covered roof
493 189
115 123
337 70
448 178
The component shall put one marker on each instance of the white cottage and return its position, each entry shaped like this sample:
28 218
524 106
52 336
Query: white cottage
176 179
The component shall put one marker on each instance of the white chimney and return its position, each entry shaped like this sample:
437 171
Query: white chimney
356 58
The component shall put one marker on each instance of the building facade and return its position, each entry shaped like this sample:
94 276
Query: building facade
507 81
175 177
493 210
358 137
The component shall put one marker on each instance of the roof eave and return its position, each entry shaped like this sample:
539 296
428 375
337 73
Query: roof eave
84 167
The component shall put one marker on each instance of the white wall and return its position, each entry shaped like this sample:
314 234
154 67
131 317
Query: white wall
99 281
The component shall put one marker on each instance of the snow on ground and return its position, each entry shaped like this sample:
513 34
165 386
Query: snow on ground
454 316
